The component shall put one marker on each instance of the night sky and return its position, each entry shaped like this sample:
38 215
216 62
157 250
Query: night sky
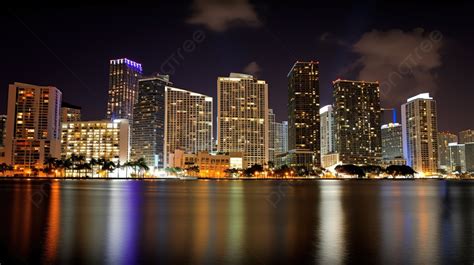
71 49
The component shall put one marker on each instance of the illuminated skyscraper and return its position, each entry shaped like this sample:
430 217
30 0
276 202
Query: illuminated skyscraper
303 115
33 125
444 139
3 128
123 88
420 133
148 129
242 117
457 157
392 143
281 137
358 122
188 122
466 136
328 140
70 112
271 135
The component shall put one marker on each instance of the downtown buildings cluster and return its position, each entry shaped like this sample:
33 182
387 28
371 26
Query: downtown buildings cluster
150 118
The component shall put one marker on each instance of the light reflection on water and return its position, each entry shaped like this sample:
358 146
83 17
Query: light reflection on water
237 222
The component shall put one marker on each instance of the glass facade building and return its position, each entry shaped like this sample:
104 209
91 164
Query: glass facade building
303 115
148 129
123 88
358 121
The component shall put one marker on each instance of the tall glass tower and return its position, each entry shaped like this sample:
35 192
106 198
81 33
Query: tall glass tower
148 128
123 88
303 115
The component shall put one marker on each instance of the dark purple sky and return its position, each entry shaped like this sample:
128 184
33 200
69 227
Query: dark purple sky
70 49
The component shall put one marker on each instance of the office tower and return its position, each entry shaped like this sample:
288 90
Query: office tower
457 157
466 136
357 121
303 115
242 117
148 129
188 122
70 112
33 125
281 137
392 143
328 140
123 86
3 129
271 136
444 139
469 153
97 139
420 133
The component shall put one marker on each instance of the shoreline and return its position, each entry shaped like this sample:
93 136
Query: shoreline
225 179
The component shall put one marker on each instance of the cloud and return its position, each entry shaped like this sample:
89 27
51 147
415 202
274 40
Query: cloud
218 15
403 62
252 69
328 37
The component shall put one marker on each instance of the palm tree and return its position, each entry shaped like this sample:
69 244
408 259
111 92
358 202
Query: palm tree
108 166
141 165
65 164
3 168
118 166
78 162
50 163
93 162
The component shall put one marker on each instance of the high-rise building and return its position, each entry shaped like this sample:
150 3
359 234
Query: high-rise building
188 122
466 136
3 129
148 129
420 133
33 125
97 139
271 135
70 112
242 117
469 153
392 142
357 121
281 137
303 115
444 139
123 87
457 157
328 140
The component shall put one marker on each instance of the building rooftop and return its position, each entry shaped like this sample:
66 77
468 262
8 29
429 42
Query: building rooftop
68 105
420 96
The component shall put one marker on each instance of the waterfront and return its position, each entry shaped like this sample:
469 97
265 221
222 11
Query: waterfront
236 222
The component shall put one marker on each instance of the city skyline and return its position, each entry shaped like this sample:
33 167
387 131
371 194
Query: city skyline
83 83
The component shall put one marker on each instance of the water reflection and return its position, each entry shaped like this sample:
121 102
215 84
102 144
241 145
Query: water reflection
331 231
232 222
